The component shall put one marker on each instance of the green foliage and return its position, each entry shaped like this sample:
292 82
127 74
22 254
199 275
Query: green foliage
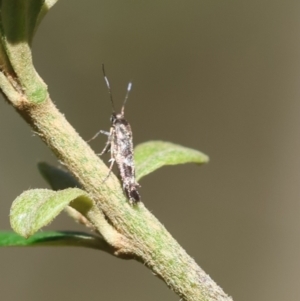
36 208
143 237
18 23
152 155
75 239
57 178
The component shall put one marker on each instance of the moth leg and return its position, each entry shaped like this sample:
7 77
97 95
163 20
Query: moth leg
108 142
97 134
106 148
104 133
112 161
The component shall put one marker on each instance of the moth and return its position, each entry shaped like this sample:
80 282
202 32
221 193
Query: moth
120 145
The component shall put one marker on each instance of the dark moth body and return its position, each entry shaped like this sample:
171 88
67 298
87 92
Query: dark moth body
119 143
121 148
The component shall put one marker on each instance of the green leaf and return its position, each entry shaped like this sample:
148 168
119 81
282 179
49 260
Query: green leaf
61 238
152 155
18 23
39 10
36 208
56 177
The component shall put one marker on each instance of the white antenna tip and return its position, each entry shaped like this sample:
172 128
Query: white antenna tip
129 87
107 82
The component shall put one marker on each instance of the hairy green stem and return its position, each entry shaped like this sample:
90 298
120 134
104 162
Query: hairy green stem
130 230
150 241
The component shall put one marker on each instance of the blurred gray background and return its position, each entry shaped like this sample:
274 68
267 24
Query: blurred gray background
218 76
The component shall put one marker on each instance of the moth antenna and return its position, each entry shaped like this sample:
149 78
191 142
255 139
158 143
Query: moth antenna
126 97
109 89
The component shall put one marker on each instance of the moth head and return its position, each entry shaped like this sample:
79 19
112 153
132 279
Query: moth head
113 117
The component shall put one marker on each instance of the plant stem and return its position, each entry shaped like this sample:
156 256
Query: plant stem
149 240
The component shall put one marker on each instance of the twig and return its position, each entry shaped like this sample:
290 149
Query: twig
141 233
